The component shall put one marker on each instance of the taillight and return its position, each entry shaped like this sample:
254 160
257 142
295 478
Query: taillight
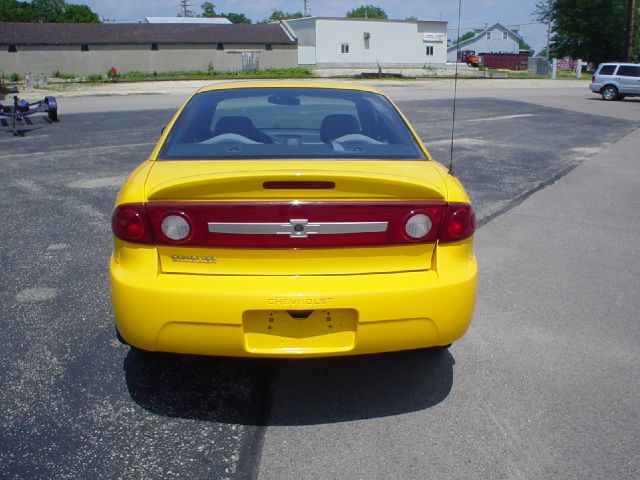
459 222
176 227
292 224
593 79
130 223
418 226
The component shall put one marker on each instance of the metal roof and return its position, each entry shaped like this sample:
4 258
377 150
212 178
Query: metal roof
139 33
183 20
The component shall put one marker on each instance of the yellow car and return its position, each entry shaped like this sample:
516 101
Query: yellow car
291 219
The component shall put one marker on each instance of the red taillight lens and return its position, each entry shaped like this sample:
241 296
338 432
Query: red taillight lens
299 185
459 222
130 223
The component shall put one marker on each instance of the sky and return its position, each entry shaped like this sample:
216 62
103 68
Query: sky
475 13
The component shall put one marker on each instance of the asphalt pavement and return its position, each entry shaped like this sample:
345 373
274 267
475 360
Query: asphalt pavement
542 386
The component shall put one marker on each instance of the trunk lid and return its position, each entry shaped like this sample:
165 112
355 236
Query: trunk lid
353 192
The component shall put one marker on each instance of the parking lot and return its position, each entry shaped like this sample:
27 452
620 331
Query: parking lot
542 386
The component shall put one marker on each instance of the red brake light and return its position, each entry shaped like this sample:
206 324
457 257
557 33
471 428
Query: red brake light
299 185
459 222
130 223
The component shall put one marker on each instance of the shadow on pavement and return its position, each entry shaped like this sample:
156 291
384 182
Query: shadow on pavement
355 388
215 389
288 392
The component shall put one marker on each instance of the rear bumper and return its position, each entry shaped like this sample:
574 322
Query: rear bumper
595 87
336 315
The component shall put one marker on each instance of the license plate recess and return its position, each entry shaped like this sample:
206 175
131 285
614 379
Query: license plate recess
299 331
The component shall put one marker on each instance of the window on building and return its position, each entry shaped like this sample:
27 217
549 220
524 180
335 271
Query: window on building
269 46
12 49
154 47
429 50
344 48
220 46
84 47
488 35
505 36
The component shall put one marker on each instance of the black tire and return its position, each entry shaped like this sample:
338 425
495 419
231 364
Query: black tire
120 338
52 108
609 93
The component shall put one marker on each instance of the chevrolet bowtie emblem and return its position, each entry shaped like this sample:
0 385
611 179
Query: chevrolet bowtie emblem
297 228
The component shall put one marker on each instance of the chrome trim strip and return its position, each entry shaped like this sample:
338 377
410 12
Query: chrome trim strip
298 228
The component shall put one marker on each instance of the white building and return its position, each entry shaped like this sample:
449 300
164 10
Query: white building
364 43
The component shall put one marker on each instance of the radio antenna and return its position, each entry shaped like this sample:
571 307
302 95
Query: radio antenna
455 87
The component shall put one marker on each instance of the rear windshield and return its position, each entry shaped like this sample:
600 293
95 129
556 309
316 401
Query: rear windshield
274 123
607 69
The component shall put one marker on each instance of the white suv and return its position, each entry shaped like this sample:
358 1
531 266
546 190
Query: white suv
614 81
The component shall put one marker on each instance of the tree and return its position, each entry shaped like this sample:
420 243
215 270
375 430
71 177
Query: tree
367 11
237 17
525 46
14 11
463 37
593 30
278 15
49 10
80 14
46 11
208 10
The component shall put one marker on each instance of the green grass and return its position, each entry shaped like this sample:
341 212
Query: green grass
295 72
63 76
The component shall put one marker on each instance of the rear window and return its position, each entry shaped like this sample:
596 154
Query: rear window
629 71
607 70
304 123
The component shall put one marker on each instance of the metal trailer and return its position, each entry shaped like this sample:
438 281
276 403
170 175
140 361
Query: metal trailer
18 109
507 61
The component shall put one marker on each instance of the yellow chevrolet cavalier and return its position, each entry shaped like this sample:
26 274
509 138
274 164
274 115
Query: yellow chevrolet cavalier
291 219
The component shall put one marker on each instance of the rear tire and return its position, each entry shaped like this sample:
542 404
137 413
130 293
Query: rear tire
53 115
609 93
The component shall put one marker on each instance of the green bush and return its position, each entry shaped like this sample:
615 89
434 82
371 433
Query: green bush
294 72
62 76
94 78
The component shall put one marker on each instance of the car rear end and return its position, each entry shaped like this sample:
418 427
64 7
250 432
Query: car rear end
292 257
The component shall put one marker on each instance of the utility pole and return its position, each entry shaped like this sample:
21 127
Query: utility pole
307 11
184 6
631 16
548 38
